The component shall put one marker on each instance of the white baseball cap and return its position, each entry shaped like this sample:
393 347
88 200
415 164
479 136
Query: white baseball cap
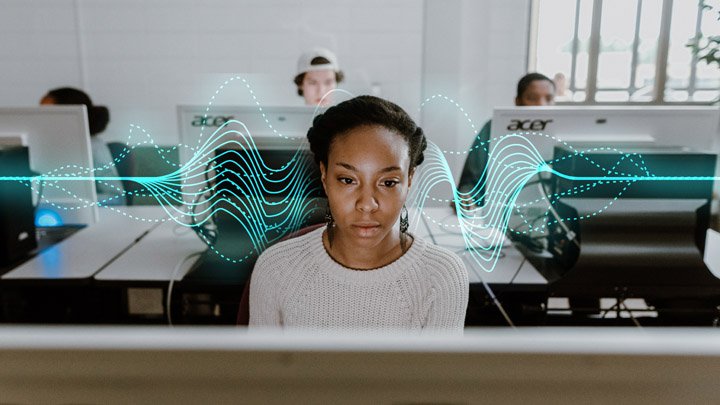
304 64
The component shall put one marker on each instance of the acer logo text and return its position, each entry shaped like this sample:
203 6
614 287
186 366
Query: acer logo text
528 125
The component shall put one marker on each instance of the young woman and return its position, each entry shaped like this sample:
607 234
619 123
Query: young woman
364 270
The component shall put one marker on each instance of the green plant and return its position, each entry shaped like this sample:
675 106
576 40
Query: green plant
706 48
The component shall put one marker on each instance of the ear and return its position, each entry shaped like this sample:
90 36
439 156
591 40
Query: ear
410 177
518 102
323 173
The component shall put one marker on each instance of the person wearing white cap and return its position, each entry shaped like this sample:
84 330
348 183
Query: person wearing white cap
317 74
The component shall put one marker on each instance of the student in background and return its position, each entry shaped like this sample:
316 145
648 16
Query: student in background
317 74
364 270
562 93
533 89
109 192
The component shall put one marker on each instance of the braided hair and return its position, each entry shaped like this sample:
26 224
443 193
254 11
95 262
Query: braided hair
361 111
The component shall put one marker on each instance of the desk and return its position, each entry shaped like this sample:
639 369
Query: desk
518 286
90 249
156 256
57 284
141 276
119 270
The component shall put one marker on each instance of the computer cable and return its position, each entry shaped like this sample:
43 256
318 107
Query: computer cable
489 290
620 306
571 236
207 231
518 270
497 303
632 317
492 295
530 243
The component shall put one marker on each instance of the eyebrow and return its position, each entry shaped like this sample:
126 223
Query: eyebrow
353 168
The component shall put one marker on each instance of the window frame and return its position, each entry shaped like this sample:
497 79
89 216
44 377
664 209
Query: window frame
661 58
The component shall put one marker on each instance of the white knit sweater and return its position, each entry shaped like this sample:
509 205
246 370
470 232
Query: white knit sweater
297 284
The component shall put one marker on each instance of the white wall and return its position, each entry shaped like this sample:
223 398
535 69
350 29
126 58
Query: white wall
474 52
143 57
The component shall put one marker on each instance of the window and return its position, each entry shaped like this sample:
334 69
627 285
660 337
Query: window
625 51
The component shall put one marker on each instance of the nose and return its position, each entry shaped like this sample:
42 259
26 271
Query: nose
324 90
366 201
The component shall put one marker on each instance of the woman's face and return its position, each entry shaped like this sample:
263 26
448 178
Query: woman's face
366 181
316 84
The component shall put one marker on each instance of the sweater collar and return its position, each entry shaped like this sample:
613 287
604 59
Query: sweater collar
382 274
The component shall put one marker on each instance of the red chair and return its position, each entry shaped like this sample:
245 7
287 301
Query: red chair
243 317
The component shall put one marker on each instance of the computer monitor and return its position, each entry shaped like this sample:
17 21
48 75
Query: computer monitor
692 127
278 136
271 128
261 205
58 138
607 127
221 365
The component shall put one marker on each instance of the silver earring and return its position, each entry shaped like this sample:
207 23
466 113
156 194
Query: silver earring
404 223
330 226
328 217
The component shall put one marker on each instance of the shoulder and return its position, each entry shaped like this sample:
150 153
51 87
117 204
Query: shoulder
483 136
486 129
279 270
444 264
441 256
287 254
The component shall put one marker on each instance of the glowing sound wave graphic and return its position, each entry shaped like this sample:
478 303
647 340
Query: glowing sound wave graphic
512 163
227 177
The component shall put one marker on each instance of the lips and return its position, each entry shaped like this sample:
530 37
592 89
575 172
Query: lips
366 228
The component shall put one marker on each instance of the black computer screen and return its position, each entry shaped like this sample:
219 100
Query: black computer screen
261 196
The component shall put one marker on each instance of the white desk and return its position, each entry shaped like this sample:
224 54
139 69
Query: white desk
440 225
120 248
155 256
86 252
139 259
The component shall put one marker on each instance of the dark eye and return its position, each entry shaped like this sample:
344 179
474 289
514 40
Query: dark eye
345 180
390 183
